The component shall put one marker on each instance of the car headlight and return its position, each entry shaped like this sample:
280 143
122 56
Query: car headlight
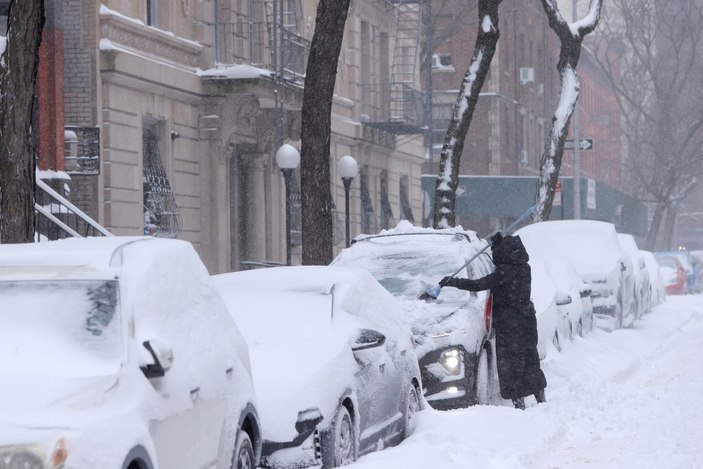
452 360
33 456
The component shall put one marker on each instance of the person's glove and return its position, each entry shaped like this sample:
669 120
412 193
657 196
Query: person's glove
446 282
496 238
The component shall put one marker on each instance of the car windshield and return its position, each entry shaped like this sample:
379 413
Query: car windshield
408 265
67 328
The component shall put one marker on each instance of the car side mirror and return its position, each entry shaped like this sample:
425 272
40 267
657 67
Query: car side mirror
307 422
562 298
162 356
368 338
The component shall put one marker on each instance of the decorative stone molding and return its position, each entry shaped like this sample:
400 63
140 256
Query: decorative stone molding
151 42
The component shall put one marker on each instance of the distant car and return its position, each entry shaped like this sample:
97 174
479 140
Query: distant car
333 363
687 261
552 323
575 297
643 290
673 274
594 250
117 352
453 333
658 290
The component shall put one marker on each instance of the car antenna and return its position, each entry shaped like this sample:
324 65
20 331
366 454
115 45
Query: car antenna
433 292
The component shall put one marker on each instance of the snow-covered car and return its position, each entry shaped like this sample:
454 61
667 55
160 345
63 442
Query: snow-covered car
118 352
687 261
673 274
574 296
333 363
594 250
552 324
643 290
656 279
453 333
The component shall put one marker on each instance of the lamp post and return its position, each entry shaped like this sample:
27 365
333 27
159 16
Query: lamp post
287 158
348 168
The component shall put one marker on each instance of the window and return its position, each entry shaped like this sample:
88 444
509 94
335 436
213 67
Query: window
152 12
406 211
367 218
387 220
161 216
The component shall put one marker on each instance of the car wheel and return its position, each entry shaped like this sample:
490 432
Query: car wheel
243 457
556 341
483 382
339 442
412 406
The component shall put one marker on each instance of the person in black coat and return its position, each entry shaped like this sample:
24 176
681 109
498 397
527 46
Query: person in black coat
514 319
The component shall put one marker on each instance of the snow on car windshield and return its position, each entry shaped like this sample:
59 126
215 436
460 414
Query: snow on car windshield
63 328
408 264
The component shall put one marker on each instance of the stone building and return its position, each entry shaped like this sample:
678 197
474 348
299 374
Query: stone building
174 111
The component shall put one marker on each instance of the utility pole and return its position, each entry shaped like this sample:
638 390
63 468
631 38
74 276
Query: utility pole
577 169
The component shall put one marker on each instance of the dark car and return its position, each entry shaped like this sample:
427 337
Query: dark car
453 333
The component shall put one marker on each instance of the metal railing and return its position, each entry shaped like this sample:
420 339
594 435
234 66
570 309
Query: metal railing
58 218
252 43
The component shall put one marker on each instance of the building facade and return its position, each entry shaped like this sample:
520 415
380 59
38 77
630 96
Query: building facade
188 102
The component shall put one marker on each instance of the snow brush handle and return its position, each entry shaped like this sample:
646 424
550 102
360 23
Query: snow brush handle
434 291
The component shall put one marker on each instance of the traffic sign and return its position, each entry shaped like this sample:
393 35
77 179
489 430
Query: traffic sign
584 144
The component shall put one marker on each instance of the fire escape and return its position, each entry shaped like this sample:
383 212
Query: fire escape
396 105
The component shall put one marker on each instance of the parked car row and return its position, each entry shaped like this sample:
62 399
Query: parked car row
622 281
123 352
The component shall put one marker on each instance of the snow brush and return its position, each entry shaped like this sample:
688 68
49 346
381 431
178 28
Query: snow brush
434 291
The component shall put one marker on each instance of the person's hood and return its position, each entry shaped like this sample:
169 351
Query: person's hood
510 250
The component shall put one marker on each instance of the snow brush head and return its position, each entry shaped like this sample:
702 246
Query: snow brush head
431 293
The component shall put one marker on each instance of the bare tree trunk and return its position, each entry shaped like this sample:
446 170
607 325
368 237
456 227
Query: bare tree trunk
657 218
18 72
453 147
320 76
571 37
669 226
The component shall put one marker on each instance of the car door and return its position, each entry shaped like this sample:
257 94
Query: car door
176 308
378 385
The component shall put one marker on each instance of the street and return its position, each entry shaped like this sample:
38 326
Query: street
622 399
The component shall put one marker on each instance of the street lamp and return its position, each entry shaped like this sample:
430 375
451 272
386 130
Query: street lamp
348 168
287 158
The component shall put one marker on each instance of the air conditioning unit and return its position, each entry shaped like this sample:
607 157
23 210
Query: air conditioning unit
527 75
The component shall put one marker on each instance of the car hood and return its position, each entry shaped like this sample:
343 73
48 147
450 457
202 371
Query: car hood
301 356
52 402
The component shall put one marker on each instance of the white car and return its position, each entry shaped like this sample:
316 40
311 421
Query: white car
656 277
594 250
551 323
643 290
334 365
118 353
574 296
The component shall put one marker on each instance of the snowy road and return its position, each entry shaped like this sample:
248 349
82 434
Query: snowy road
632 398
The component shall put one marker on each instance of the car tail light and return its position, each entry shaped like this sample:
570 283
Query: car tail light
487 312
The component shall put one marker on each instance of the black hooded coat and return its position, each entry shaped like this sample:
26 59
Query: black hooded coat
514 318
